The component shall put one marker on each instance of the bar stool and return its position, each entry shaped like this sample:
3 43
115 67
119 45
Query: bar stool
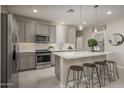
113 70
103 71
76 76
91 73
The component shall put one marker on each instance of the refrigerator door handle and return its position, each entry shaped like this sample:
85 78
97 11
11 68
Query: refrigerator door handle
18 55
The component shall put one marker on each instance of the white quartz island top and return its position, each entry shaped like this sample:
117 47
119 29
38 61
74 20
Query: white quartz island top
79 54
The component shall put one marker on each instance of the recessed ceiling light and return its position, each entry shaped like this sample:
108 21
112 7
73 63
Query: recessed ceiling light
35 10
84 23
62 23
109 12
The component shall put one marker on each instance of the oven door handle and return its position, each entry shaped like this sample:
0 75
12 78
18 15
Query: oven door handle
43 54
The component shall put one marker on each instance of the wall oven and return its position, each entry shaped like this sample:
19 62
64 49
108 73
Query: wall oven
43 59
42 38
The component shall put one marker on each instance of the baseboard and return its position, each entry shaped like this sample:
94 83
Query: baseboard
62 85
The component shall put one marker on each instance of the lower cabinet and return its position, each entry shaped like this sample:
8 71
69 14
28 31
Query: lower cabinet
53 59
27 61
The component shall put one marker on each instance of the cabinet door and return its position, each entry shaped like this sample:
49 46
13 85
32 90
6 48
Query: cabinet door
67 35
31 61
27 61
42 29
21 32
72 36
30 32
53 59
52 34
23 62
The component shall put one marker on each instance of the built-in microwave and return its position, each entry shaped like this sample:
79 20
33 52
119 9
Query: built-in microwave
42 38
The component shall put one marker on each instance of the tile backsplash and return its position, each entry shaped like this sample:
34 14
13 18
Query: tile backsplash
44 46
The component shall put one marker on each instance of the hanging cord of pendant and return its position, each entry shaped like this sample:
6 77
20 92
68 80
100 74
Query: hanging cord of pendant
96 6
80 15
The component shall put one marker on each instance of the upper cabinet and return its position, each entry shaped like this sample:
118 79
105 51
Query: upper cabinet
21 31
42 29
29 28
52 33
26 32
70 35
30 32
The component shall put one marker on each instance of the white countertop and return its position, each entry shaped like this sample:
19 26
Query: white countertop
79 54
26 50
56 50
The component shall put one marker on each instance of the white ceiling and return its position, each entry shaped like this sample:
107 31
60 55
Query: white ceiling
58 13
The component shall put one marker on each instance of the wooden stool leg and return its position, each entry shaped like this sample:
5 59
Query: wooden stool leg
88 77
100 70
67 78
113 67
98 77
104 75
92 73
73 78
77 80
108 73
116 69
110 70
85 77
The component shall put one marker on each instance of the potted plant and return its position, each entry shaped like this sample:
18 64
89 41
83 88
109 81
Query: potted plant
51 48
92 43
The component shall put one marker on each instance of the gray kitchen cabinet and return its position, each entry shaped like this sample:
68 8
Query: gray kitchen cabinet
30 32
21 32
53 59
31 61
52 33
23 62
70 35
42 29
27 61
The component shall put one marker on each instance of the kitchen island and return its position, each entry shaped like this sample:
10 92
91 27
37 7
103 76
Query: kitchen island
63 60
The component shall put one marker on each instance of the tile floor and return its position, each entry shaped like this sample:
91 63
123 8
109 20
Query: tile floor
45 78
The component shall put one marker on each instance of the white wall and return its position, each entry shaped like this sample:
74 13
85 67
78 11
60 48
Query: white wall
87 34
115 26
79 43
60 34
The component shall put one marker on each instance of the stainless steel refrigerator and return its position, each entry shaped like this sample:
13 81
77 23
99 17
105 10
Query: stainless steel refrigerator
9 51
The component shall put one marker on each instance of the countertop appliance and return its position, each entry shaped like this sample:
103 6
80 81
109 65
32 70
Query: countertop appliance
9 51
43 58
42 38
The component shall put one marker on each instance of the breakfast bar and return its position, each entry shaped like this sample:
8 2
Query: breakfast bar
63 60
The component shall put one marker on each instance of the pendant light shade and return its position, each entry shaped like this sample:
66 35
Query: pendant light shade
80 27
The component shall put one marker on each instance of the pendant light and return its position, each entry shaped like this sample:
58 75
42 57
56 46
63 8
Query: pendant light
81 25
96 15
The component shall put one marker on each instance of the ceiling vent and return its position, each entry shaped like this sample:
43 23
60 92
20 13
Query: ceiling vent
70 11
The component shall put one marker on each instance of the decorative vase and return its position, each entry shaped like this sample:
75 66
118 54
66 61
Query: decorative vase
92 49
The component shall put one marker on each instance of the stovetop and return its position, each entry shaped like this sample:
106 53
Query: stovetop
42 51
